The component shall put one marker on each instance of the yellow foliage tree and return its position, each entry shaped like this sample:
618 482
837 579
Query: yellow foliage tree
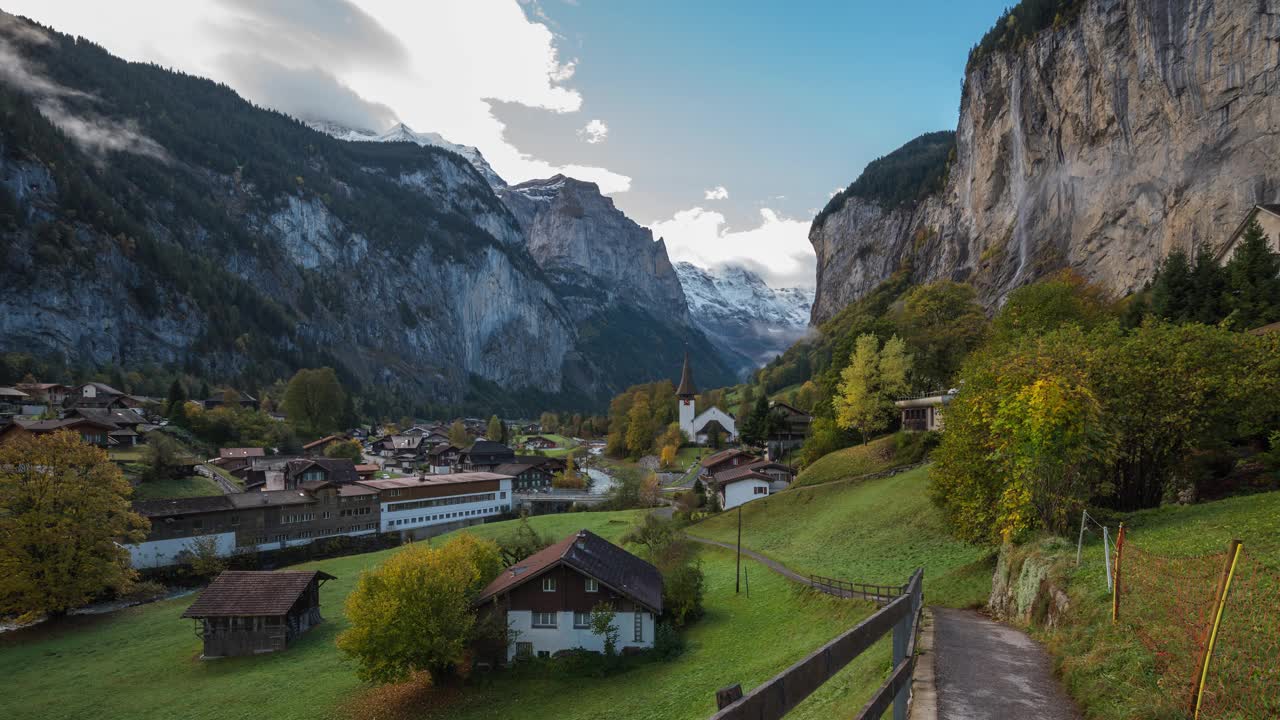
669 455
64 513
413 614
570 478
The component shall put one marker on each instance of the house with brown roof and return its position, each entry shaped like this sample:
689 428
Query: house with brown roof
318 469
752 481
180 525
529 476
45 393
249 613
317 447
91 431
726 460
443 458
485 456
546 599
537 442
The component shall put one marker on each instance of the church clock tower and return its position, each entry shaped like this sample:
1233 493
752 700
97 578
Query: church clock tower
686 393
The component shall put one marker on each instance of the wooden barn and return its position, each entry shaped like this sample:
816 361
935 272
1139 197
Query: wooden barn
247 613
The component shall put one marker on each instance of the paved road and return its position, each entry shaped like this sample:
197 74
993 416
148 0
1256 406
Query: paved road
989 671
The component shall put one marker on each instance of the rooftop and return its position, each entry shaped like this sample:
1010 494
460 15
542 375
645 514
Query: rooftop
429 480
242 593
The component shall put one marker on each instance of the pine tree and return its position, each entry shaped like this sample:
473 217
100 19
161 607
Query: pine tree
1172 289
177 396
1253 278
1206 303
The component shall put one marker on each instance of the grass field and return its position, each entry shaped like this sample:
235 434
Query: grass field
143 662
877 531
194 486
1106 667
876 456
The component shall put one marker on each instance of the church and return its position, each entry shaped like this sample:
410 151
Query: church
700 427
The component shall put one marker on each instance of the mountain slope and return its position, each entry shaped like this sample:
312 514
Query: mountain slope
1098 143
748 321
150 217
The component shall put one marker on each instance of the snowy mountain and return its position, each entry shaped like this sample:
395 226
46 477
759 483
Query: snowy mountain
403 133
746 319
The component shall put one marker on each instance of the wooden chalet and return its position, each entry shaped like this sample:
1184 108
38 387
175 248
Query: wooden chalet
91 431
537 442
486 456
249 613
317 447
528 475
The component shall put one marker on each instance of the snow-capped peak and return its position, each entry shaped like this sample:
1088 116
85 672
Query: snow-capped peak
747 319
403 133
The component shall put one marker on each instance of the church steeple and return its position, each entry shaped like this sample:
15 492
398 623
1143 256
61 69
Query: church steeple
686 391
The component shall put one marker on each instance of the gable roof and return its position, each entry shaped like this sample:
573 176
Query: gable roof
338 470
101 387
246 452
443 448
723 455
489 447
12 392
322 441
592 556
244 592
745 471
515 468
44 426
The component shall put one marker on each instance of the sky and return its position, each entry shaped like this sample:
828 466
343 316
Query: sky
723 126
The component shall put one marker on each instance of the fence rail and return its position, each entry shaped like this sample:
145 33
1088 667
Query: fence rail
847 589
779 695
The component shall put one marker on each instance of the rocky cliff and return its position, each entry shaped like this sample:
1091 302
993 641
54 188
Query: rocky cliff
1099 144
149 218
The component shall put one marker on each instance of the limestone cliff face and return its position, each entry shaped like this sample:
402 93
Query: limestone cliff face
592 250
1138 127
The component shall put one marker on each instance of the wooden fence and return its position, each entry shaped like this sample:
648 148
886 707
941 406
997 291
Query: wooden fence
776 697
865 591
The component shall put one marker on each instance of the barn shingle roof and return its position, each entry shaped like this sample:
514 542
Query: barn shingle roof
244 593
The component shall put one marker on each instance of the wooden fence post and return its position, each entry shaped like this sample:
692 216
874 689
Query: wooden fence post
1115 586
1224 588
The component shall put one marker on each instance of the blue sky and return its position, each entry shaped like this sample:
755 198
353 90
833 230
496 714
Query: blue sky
722 125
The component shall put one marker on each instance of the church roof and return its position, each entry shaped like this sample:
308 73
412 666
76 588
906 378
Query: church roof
686 388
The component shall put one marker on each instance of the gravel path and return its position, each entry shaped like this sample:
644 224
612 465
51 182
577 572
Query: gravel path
989 671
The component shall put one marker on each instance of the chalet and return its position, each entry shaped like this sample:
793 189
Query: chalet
443 458
317 447
550 464
99 395
407 451
528 476
547 598
792 426
537 442
726 460
231 397
233 459
91 431
1268 217
12 401
752 481
420 507
51 394
366 472
339 471
249 613
485 456
924 412
277 519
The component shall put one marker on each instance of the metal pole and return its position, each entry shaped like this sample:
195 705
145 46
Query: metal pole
1084 515
737 568
1106 554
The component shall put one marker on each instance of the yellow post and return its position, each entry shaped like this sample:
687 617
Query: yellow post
1224 587
1115 584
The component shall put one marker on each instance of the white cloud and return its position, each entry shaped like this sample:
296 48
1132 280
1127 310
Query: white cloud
777 249
453 59
717 193
595 132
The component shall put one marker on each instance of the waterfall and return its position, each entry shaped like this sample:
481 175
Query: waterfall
1018 185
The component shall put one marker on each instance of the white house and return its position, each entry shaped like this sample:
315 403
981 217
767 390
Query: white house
547 598
744 487
419 507
699 427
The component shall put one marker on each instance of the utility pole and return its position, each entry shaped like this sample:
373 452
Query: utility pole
737 568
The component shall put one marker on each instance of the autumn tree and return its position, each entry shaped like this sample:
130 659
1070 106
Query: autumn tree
413 613
164 456
494 430
869 384
1059 300
641 428
941 323
345 449
569 477
64 516
458 436
314 400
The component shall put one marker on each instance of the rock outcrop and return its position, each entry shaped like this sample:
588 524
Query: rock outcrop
1099 145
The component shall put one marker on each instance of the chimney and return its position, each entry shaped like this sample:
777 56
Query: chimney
581 542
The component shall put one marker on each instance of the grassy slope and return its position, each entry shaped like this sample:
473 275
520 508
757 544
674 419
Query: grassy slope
194 486
873 531
1106 668
143 662
873 457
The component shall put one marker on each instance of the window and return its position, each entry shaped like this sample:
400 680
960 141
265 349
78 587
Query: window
639 626
760 490
548 584
593 585
524 649
544 619
581 620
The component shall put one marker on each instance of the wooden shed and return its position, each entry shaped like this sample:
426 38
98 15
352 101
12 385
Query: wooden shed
247 613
